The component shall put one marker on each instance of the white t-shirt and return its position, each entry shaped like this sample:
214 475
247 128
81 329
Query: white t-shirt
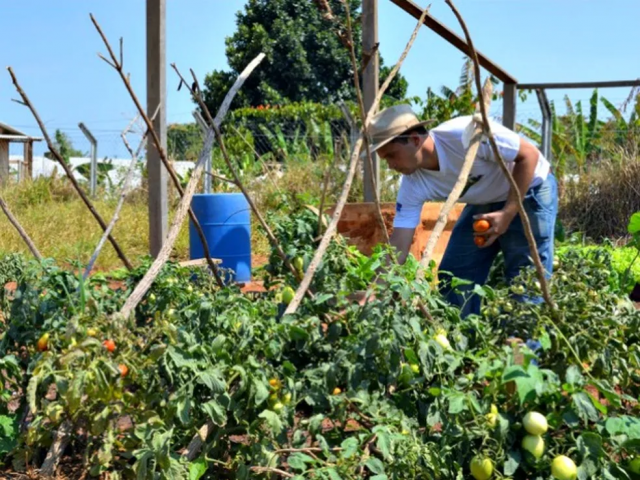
486 183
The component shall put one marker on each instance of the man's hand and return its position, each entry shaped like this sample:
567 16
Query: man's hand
499 221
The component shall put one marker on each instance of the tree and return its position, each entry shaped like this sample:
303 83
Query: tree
64 146
305 59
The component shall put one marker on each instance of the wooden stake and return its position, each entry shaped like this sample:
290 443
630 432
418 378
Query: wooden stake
14 221
67 170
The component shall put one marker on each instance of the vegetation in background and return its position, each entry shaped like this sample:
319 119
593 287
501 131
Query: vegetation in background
305 60
65 147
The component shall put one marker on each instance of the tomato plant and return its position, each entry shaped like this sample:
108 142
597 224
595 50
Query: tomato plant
337 390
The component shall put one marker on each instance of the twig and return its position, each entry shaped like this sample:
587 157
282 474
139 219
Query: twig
272 470
140 290
396 68
198 440
457 189
365 124
60 442
328 234
503 166
224 179
215 123
325 185
14 221
304 450
163 155
67 170
123 193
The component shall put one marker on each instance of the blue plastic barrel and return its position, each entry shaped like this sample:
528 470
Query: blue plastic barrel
225 219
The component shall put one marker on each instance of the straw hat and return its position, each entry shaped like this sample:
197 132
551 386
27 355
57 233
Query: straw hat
391 123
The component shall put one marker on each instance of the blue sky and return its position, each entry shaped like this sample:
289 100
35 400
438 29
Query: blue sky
53 52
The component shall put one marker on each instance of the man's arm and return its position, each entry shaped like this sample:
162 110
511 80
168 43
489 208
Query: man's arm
401 239
525 165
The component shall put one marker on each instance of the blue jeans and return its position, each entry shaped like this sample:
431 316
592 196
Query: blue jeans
464 260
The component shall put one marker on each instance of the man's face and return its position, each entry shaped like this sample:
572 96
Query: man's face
402 157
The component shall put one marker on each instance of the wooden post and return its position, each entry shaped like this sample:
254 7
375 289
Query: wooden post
370 81
4 162
27 164
509 105
156 95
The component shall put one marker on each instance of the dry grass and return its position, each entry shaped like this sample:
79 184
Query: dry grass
62 227
602 201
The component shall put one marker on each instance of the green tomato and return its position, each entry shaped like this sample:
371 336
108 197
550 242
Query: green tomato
481 468
563 468
443 341
517 289
415 368
287 295
189 289
634 466
535 423
277 407
492 419
534 445
298 264
152 297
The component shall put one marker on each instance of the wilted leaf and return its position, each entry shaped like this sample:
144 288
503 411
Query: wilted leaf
216 412
298 461
584 407
590 444
375 465
349 447
261 391
574 376
512 463
213 379
273 420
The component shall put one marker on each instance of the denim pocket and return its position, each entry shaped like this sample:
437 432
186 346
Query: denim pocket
545 195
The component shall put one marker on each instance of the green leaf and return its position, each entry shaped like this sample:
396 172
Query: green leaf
334 474
298 461
513 372
298 334
262 391
624 425
273 420
545 340
384 444
634 224
320 299
32 390
213 378
590 444
587 469
217 413
349 447
375 465
574 376
584 407
183 407
197 469
457 403
379 477
512 463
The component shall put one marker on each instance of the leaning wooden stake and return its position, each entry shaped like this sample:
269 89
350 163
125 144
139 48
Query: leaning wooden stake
14 221
60 441
141 289
67 169
117 65
329 232
503 166
123 194
457 189
216 128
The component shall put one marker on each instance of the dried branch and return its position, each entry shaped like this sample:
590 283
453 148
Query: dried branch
117 65
215 123
458 187
325 185
328 234
198 440
503 166
141 289
272 470
397 66
365 125
123 193
14 221
60 442
67 169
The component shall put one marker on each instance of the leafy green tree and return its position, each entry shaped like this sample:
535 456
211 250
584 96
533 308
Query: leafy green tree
184 141
65 147
305 59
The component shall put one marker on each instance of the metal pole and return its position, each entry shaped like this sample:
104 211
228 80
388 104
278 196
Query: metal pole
509 105
207 168
370 85
546 123
94 158
156 96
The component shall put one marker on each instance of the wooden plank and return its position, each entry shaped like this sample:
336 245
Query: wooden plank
370 82
156 95
415 11
509 100
199 262
612 84
4 162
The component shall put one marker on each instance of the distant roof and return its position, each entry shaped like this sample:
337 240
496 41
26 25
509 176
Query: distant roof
7 132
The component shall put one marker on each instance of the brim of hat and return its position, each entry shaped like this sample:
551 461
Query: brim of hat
376 146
